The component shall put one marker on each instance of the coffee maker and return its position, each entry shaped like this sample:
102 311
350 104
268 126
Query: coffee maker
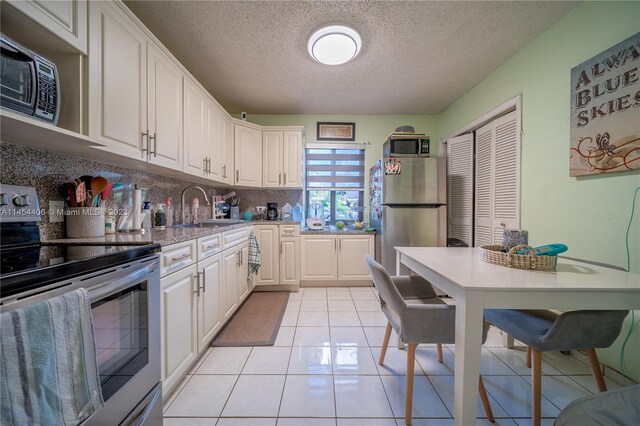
272 211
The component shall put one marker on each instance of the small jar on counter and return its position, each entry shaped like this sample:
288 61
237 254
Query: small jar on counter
109 224
160 219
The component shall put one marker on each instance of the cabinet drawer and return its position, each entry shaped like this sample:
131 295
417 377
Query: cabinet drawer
208 246
289 230
177 256
235 237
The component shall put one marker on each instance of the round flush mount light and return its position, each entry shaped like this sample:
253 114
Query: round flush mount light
334 44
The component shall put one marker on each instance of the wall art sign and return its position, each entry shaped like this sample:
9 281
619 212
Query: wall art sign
336 132
605 111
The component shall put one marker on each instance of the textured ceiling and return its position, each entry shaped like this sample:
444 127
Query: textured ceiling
417 57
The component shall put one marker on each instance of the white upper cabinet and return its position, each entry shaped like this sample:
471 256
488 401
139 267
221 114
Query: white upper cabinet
135 90
117 89
164 110
272 159
227 153
67 19
195 131
248 156
282 158
292 164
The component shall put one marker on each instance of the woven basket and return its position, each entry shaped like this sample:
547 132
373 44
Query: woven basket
497 255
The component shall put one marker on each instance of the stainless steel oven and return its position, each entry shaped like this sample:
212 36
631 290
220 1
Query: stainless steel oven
123 283
125 308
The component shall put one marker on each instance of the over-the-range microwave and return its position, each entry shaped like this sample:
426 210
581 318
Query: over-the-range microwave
406 145
28 82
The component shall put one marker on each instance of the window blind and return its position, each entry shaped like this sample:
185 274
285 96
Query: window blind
335 168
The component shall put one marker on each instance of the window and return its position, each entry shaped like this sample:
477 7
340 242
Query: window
335 181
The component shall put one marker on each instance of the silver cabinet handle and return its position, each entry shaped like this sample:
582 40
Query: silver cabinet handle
204 165
208 165
237 258
280 247
155 144
335 245
145 135
203 282
224 171
210 246
175 259
284 181
279 179
340 245
197 284
241 258
237 175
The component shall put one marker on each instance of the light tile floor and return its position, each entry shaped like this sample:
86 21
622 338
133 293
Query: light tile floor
323 370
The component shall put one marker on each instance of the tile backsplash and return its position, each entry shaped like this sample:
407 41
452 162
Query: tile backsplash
47 171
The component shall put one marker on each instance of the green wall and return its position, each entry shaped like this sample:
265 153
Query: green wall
589 214
372 129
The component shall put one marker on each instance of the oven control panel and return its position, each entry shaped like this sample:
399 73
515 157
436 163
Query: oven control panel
19 204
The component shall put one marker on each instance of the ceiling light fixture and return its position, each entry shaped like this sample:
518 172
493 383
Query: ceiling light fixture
334 44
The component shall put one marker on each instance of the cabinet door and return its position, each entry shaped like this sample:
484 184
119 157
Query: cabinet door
290 260
165 110
248 156
244 285
272 159
67 19
230 266
292 160
214 141
228 163
195 121
268 238
209 301
319 256
117 89
179 344
351 252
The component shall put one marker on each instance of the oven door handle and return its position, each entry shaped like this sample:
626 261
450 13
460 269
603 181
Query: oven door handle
119 284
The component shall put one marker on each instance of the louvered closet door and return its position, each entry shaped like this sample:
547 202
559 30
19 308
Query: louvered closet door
484 185
497 195
460 186
506 206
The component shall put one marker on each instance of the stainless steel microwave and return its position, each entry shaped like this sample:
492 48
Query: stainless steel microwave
28 82
406 146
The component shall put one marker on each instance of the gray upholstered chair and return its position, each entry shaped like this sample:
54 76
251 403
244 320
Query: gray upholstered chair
619 407
418 317
543 331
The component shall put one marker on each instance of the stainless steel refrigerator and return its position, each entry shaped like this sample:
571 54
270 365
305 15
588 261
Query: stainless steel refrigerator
407 206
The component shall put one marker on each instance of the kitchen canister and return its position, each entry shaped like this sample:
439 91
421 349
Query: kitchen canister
84 222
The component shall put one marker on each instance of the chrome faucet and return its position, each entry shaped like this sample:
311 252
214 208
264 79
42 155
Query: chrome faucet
184 191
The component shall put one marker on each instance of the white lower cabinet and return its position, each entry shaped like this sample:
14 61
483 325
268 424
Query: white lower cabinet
244 286
230 264
319 257
290 260
351 252
199 297
279 254
331 257
179 317
209 306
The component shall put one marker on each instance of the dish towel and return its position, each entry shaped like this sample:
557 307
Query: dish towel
48 367
254 256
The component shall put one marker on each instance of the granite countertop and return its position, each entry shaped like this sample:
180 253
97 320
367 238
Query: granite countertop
164 237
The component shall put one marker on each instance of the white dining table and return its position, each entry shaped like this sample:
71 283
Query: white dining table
476 285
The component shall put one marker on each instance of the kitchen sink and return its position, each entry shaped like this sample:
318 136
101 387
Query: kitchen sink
221 222
186 225
209 223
